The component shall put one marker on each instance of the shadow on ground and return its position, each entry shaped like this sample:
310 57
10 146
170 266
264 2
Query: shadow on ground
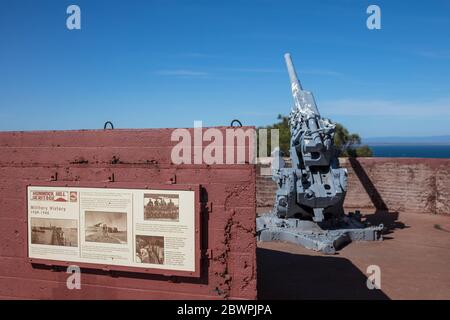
388 218
283 275
382 213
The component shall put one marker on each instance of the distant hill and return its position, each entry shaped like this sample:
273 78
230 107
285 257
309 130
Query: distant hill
432 140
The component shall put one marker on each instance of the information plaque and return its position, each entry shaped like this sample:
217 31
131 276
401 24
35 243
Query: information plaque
139 228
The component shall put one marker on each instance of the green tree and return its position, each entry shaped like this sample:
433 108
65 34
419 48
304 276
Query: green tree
284 133
348 144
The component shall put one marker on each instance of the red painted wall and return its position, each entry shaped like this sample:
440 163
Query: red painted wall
228 214
398 184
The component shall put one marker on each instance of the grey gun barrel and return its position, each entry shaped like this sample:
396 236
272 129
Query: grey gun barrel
304 100
292 73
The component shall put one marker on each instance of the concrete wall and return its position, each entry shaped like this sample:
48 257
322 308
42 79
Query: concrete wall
76 157
396 184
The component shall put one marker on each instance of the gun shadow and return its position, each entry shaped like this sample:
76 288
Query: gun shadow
382 213
310 277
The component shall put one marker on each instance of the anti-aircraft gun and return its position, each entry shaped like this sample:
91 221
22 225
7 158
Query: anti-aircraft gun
308 207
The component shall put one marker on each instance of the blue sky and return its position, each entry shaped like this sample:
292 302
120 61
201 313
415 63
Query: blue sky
144 64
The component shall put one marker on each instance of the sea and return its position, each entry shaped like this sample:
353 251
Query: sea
411 151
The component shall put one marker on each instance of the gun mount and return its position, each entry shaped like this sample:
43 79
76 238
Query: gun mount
308 207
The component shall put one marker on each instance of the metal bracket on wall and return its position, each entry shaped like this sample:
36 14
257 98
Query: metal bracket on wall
111 178
172 180
236 121
105 126
209 206
54 177
207 253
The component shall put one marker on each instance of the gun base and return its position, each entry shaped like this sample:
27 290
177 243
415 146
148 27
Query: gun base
318 237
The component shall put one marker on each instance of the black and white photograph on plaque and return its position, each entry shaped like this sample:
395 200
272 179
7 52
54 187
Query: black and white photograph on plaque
150 249
54 232
106 227
161 207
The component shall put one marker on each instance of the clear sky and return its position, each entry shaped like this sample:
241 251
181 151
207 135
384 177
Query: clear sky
144 64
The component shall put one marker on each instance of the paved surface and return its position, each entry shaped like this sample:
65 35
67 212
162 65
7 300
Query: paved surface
414 259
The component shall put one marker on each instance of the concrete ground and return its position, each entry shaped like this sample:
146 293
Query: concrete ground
414 259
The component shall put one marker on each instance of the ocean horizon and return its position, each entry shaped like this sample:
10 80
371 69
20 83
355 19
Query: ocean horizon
411 151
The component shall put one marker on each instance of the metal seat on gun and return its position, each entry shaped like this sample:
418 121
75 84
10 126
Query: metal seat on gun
308 207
